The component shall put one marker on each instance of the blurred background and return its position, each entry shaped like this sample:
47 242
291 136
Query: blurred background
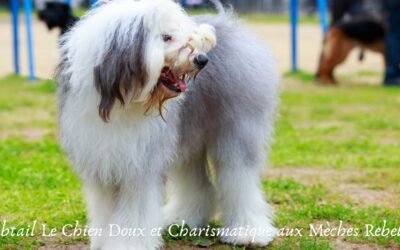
269 19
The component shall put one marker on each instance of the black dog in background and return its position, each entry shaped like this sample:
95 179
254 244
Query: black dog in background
58 15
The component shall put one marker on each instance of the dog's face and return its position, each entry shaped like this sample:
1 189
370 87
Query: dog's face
147 52
183 46
56 14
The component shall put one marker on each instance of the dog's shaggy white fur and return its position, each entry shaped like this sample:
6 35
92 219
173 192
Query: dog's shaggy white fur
121 62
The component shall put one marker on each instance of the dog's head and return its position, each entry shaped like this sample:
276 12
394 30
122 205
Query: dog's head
57 14
141 52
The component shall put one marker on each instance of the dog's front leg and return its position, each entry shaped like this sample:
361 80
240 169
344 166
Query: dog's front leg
135 222
100 204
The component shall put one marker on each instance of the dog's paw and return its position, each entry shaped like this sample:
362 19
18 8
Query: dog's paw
193 219
133 243
247 236
170 216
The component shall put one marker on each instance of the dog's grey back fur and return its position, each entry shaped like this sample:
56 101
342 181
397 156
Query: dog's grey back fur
229 109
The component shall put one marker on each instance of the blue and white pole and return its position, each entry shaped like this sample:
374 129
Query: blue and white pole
293 22
15 30
28 16
323 15
93 2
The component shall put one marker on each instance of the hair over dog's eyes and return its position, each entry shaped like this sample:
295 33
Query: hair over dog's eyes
166 38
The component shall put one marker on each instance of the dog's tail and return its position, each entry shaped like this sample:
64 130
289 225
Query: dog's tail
361 55
221 9
218 6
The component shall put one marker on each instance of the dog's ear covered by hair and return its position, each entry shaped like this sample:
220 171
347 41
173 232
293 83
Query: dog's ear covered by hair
121 72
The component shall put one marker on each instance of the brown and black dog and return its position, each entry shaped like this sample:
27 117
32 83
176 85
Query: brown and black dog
355 24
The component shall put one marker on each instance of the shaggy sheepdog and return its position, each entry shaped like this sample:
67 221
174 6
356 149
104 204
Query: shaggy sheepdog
120 69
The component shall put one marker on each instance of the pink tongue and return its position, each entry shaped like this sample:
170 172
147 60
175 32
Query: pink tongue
182 85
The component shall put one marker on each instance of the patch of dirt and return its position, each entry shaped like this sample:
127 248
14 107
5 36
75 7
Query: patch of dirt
338 244
340 182
187 246
31 134
309 176
77 246
172 246
363 197
344 245
27 115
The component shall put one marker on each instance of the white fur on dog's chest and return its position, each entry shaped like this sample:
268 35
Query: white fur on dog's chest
126 145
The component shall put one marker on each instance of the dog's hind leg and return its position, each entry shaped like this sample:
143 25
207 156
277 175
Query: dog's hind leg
190 193
336 48
239 158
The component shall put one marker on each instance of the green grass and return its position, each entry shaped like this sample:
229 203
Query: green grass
300 75
346 128
341 127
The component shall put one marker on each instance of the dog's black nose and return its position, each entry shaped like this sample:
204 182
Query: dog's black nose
201 61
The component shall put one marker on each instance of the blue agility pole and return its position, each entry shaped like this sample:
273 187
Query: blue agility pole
323 15
293 21
14 15
28 13
68 2
93 2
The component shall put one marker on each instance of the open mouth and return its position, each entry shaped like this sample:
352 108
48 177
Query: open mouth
171 82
